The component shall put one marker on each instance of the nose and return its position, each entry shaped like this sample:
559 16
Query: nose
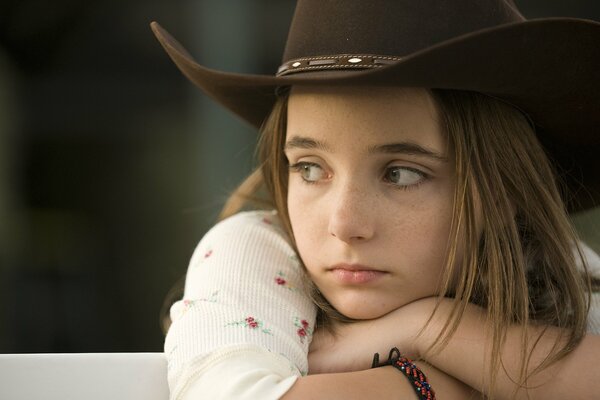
352 214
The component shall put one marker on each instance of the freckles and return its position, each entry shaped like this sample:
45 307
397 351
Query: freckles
419 226
404 216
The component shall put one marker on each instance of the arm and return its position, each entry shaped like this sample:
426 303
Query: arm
384 383
465 355
204 364
351 350
244 324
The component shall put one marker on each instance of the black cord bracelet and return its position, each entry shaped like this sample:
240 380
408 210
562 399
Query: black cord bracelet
417 378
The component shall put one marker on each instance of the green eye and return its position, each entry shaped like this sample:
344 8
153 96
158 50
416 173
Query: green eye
403 176
310 172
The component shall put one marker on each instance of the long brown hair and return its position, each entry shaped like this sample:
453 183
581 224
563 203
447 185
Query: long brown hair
519 263
523 267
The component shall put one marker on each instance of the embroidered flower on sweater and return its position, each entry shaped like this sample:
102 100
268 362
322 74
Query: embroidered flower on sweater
282 281
187 303
212 298
294 258
207 253
274 224
304 329
251 323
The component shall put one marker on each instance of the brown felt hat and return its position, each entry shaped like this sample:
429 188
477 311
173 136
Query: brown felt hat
548 68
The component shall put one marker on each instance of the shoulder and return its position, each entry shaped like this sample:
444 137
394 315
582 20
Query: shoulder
243 234
251 223
263 218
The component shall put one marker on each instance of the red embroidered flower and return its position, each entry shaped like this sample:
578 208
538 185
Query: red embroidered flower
251 322
303 328
267 221
207 254
280 281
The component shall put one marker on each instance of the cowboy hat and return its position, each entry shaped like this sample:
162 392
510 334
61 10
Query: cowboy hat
547 68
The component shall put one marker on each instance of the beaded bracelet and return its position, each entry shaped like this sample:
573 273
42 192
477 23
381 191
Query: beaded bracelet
417 378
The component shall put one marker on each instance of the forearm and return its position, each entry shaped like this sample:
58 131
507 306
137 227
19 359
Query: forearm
384 382
467 357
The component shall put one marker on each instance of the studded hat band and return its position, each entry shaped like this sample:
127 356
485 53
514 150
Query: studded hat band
338 61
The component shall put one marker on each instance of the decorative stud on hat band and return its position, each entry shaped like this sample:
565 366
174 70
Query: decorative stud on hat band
336 62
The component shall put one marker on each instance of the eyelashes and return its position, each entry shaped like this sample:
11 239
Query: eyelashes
399 177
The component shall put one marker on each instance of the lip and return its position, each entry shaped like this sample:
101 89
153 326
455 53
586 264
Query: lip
355 273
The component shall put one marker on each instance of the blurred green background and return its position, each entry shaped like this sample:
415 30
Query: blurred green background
112 165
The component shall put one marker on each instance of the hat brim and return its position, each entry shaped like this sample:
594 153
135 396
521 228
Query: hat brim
546 67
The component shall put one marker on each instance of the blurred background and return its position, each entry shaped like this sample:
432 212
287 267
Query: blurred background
112 165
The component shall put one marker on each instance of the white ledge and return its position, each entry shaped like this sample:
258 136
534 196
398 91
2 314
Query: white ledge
90 376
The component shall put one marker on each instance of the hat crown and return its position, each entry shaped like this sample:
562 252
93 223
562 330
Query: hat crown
388 27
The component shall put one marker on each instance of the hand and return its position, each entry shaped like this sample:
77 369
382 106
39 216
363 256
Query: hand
352 346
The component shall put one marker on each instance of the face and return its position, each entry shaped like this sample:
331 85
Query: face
371 183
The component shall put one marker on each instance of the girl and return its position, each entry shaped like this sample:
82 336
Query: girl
429 216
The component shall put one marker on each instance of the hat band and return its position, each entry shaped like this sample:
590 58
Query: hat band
338 61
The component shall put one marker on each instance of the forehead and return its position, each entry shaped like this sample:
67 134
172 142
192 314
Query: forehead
365 114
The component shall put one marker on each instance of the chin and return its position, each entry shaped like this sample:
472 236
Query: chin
361 311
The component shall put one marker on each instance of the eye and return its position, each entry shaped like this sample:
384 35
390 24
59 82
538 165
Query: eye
403 177
310 172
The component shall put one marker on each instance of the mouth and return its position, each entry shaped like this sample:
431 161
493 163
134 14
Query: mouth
355 273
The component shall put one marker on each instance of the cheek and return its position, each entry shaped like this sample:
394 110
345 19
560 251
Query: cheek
300 218
422 237
295 209
306 222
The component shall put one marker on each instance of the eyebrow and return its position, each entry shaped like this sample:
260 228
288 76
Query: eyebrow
301 142
407 148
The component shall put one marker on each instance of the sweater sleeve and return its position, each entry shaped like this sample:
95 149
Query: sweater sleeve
593 262
245 322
